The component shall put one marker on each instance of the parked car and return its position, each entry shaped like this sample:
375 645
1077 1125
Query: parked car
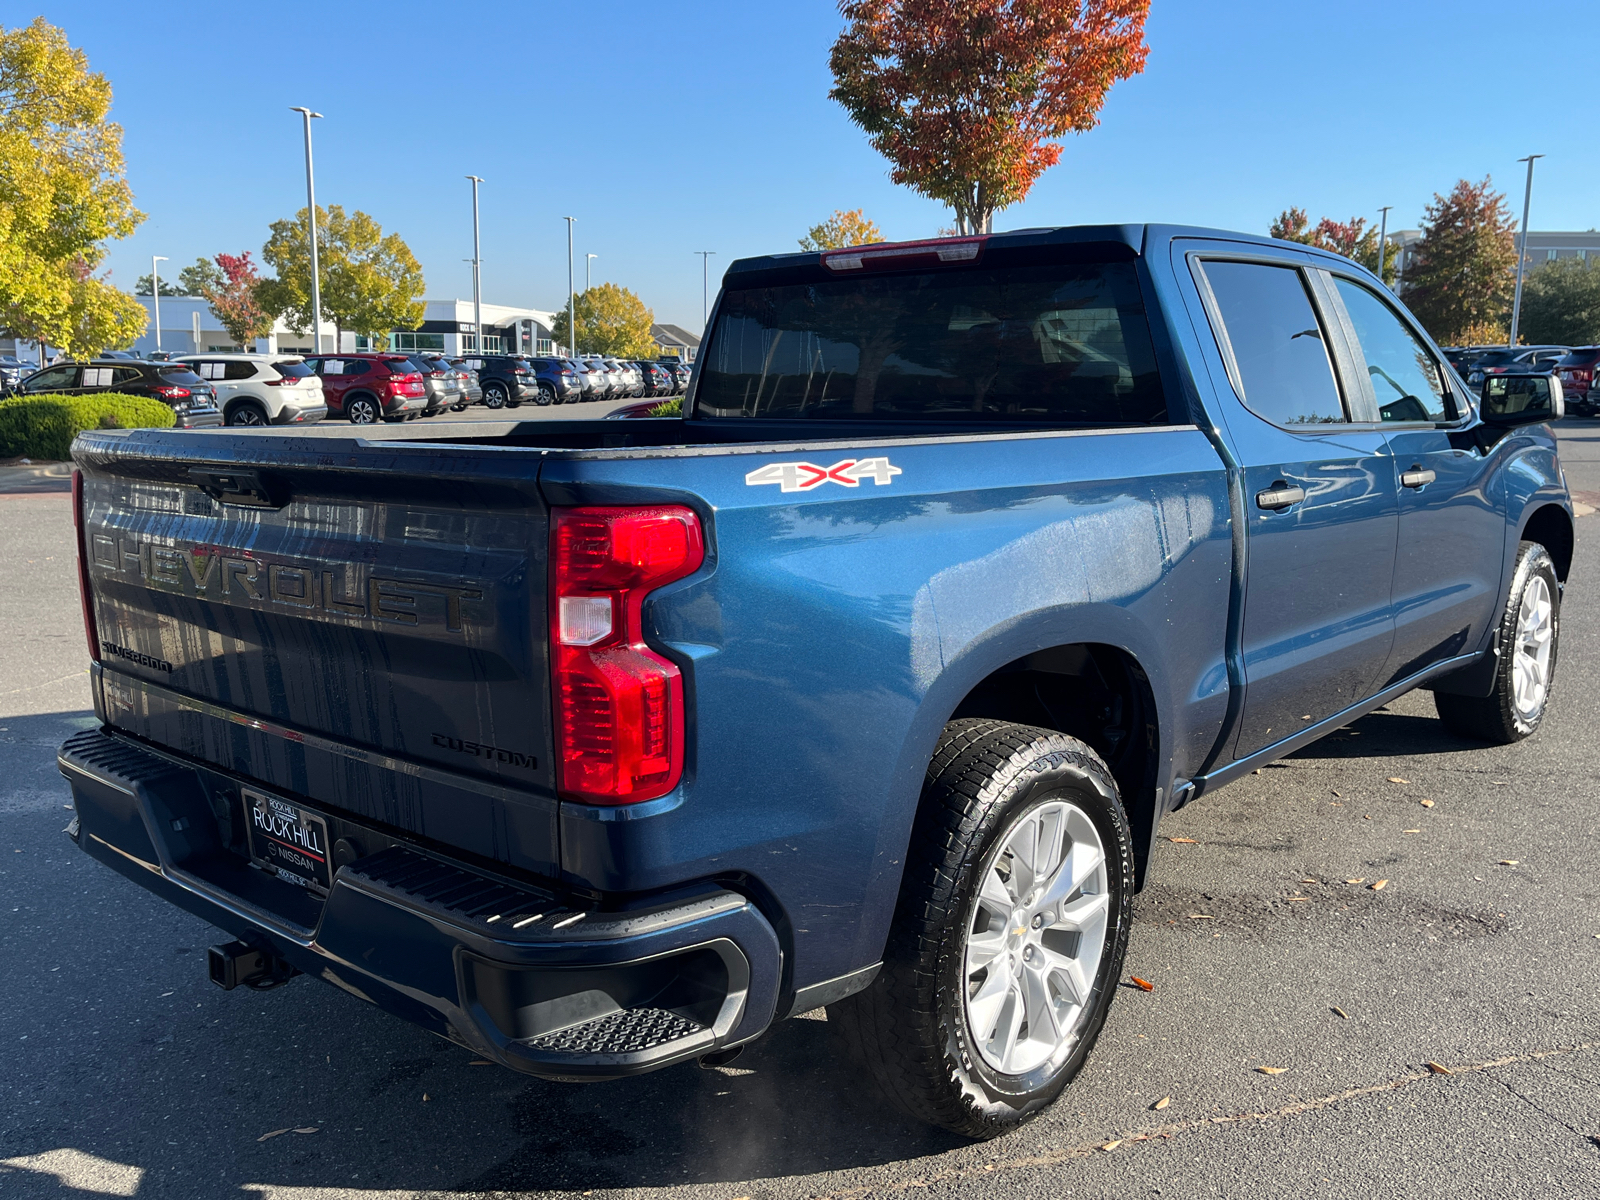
261 389
457 378
595 383
193 400
680 374
659 380
364 388
440 380
557 382
472 391
1509 358
507 380
12 369
1579 372
604 747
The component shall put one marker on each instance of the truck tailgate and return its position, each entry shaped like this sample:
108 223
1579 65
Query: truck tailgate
360 625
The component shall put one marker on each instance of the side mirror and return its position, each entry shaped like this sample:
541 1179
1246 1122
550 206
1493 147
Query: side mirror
1511 400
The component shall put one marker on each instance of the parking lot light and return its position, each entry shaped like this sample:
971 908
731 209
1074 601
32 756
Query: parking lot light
155 293
705 288
1522 250
477 266
311 220
572 307
1383 239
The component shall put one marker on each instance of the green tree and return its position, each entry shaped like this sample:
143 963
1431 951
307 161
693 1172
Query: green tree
1462 273
1561 304
841 230
966 98
371 282
1354 239
611 320
193 280
62 197
233 298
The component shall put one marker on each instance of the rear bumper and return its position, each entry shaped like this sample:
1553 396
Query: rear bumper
204 419
517 972
300 414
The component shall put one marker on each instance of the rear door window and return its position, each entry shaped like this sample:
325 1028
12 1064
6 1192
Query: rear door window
1064 343
1406 379
1274 343
97 377
207 370
239 370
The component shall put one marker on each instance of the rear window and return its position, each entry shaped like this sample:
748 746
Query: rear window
292 369
1060 343
179 374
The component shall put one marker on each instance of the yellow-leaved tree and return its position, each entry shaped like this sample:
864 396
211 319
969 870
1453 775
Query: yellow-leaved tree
612 321
62 197
844 228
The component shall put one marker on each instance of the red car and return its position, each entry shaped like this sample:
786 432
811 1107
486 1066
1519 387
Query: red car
363 387
1579 373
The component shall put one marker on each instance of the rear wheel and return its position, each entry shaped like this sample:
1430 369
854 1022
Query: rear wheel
1009 935
246 412
547 395
1530 632
495 395
363 410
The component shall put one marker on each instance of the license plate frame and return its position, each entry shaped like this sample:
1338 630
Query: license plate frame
288 840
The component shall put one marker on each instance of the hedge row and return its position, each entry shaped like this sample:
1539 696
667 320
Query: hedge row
43 426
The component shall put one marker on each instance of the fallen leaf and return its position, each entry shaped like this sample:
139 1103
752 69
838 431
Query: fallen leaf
1200 917
273 1134
1509 862
1427 803
307 1129
1161 1103
1111 1145
1272 1070
1366 817
1397 779
1335 793
1144 985
1184 841
1411 831
1339 1012
1380 885
1362 879
424 1095
1440 1069
1299 899
1311 881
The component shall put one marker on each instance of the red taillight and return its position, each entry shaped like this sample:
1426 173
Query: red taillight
90 633
281 380
172 393
618 704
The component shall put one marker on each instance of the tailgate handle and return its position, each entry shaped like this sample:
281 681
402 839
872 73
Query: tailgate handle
236 487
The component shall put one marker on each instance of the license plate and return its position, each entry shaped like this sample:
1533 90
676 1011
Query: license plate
289 841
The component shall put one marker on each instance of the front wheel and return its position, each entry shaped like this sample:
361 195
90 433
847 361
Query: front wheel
1530 632
1009 935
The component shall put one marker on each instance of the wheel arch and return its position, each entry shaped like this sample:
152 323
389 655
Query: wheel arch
247 398
1550 525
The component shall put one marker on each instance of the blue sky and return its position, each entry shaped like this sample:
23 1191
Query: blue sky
669 127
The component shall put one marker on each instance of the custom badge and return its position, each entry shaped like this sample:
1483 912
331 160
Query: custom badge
803 476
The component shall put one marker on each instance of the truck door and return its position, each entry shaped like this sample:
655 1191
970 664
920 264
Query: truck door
1452 521
1321 513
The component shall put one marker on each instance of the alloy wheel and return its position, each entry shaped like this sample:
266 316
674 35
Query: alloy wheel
1037 935
361 412
1530 655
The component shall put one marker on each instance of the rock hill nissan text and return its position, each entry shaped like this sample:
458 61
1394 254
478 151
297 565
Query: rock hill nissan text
597 746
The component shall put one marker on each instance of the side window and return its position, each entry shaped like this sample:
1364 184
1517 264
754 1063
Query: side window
122 375
94 377
239 370
356 366
207 370
52 378
331 366
1406 380
1277 343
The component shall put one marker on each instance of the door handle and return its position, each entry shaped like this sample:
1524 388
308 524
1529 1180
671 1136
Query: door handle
1280 495
1416 478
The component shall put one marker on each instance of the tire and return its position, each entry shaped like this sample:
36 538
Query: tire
362 410
246 412
914 1028
547 395
1529 639
495 395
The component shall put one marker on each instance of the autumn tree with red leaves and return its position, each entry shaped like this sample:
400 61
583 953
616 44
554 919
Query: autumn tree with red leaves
966 97
1354 239
234 300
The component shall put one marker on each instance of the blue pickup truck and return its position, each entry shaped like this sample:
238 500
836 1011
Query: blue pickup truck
599 746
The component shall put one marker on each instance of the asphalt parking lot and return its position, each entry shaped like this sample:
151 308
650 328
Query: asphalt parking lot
124 1072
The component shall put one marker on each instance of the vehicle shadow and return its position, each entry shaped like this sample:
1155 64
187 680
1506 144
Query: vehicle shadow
1384 734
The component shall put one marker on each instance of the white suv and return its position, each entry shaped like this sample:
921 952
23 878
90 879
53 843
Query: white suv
261 389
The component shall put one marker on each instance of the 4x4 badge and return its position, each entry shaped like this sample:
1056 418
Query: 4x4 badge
803 476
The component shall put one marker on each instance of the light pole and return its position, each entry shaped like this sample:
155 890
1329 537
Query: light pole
705 288
1383 239
155 291
477 268
572 306
588 271
1522 249
311 220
